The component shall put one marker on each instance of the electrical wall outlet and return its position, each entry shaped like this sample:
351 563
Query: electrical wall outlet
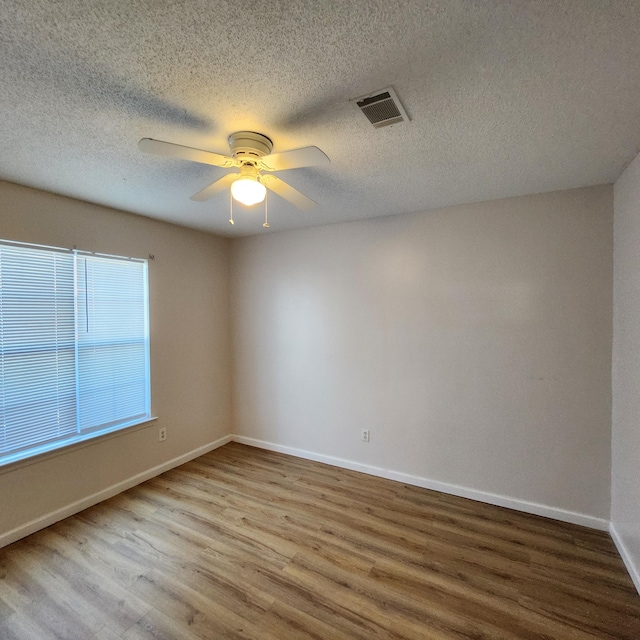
162 434
366 435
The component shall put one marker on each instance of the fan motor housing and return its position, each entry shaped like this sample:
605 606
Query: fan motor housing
249 145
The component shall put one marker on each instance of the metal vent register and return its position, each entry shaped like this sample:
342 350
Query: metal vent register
383 108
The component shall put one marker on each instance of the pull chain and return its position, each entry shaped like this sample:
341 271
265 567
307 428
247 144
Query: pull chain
231 208
266 211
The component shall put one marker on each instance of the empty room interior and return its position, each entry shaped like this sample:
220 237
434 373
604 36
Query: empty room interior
320 319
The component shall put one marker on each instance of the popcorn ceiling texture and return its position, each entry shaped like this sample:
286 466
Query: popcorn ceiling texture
505 97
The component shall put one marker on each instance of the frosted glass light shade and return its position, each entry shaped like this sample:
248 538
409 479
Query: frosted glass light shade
248 191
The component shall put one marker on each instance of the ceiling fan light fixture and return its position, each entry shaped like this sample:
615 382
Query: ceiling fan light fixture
251 154
248 191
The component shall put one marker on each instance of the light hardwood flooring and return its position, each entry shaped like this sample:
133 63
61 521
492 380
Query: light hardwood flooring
244 543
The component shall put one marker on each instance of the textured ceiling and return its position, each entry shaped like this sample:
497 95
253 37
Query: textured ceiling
505 98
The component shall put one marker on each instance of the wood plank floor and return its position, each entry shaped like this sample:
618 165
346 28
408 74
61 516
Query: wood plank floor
244 543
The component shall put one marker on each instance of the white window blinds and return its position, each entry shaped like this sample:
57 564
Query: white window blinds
74 347
37 365
112 341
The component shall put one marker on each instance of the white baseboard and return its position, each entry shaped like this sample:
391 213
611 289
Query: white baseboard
503 501
426 483
634 571
68 510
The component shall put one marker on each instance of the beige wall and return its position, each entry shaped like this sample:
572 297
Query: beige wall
474 342
190 356
625 490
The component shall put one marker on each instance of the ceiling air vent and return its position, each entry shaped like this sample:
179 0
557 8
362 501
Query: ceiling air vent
383 108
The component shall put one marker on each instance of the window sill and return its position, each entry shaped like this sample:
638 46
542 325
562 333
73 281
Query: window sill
54 449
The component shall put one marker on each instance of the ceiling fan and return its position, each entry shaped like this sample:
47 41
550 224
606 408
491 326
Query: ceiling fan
251 154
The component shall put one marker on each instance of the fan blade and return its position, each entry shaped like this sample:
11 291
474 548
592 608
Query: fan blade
170 150
305 157
287 192
215 187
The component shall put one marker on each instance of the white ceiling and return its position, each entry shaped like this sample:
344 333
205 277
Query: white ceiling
506 97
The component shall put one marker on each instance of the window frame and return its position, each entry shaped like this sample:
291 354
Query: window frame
86 436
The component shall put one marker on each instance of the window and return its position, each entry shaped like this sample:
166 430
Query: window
74 347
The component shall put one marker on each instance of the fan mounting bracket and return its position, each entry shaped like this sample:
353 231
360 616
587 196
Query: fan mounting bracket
249 145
